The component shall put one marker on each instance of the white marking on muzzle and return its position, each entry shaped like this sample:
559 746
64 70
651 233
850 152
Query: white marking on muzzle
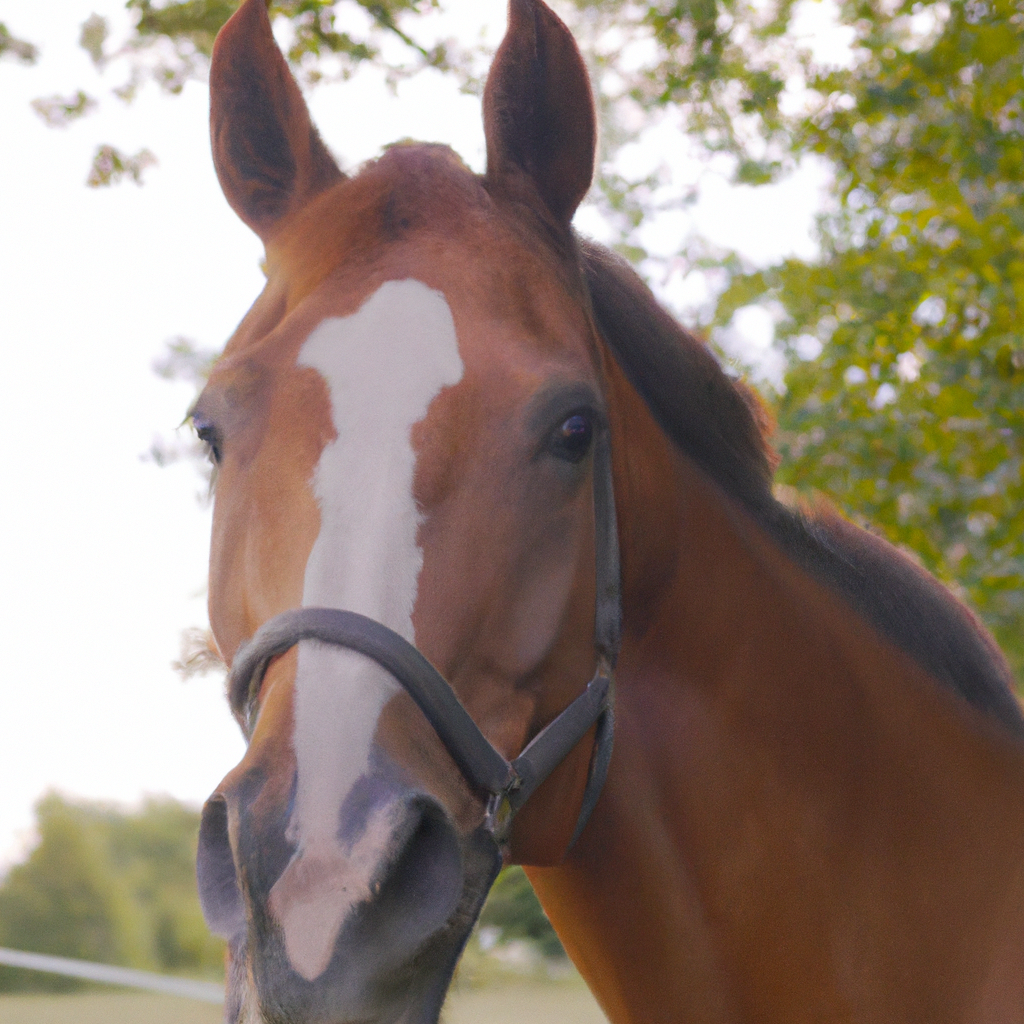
384 365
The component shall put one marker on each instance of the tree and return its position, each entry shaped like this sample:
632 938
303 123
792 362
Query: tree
65 900
513 907
170 43
13 47
904 396
153 855
112 886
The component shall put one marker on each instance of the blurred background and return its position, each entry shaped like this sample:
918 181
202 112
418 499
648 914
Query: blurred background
829 191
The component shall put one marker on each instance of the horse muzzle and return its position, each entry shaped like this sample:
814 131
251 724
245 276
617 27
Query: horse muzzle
366 924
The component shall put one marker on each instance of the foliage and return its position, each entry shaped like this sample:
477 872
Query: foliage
170 43
192 25
110 886
904 399
110 166
513 907
60 111
64 899
18 49
716 61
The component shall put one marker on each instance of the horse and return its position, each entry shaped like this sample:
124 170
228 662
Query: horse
483 509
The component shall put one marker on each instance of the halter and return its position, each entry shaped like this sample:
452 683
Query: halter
508 783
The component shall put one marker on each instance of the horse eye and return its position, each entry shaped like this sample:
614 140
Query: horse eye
572 440
208 434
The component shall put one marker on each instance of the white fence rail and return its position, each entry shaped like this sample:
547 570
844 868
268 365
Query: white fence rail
205 991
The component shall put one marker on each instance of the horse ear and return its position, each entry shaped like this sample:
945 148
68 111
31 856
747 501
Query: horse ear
269 157
539 111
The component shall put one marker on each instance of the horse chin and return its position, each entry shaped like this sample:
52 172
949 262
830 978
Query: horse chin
415 1000
364 984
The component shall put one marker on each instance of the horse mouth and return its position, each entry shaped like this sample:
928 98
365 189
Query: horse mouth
415 995
393 957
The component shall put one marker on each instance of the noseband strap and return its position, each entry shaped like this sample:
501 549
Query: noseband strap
508 783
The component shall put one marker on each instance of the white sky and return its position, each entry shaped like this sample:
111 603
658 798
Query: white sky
103 555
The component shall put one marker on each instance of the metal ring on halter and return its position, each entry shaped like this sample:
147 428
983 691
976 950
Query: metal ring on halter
509 783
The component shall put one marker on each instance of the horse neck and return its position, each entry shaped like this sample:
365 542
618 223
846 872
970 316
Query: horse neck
798 824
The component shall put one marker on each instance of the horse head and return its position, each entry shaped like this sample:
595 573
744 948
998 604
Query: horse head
404 427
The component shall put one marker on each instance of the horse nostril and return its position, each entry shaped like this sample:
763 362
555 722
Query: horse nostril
417 894
219 894
427 874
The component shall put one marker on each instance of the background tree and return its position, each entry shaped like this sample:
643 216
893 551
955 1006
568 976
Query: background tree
169 43
65 900
13 47
904 394
112 886
513 908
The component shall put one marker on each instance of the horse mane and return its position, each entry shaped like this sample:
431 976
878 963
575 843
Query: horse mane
719 423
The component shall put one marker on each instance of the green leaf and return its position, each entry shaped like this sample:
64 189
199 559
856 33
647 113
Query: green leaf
110 166
18 49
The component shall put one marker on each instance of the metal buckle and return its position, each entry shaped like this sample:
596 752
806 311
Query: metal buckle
499 813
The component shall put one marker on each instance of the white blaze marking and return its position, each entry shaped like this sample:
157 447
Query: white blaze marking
384 365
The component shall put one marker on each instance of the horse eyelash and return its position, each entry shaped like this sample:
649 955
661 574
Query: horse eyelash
210 437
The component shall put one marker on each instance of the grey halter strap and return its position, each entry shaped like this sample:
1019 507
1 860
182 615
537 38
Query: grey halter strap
508 783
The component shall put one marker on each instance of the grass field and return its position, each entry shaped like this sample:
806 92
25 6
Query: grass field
566 1002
